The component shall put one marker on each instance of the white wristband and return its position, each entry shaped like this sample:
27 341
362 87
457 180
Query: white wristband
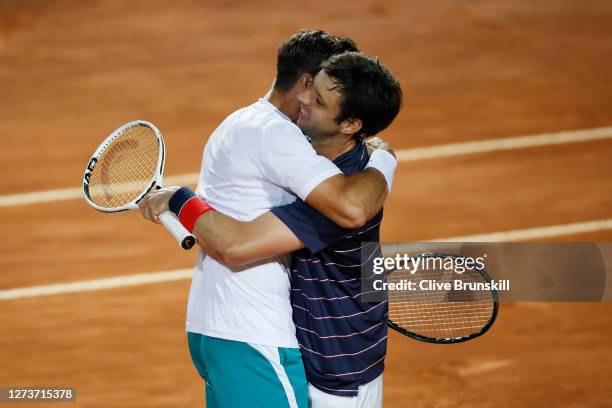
384 162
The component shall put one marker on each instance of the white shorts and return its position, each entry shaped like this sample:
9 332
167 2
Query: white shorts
370 395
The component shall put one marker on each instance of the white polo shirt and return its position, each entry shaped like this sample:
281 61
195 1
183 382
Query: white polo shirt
253 161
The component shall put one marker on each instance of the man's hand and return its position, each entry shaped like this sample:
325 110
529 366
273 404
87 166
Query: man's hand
155 203
375 143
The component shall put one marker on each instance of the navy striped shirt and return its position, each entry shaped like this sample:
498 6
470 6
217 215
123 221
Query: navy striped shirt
343 340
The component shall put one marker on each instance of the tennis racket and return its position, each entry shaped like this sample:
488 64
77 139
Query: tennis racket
439 313
125 168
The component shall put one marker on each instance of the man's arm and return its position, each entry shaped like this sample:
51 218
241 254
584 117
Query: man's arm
350 201
231 242
236 243
281 230
288 160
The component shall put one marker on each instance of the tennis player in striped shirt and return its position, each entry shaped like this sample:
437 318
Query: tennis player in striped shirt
342 339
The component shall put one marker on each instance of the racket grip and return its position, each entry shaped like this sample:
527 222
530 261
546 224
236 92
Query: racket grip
172 224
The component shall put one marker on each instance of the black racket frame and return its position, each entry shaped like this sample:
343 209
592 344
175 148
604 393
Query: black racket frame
453 340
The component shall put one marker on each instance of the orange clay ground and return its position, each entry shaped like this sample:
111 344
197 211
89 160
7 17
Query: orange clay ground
71 72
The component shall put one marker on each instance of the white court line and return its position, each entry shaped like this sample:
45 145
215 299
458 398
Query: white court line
96 284
483 367
424 153
533 233
510 143
36 197
181 274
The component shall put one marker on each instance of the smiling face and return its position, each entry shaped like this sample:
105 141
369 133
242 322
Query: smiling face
353 96
319 107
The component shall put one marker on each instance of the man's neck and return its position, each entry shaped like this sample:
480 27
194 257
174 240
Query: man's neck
279 100
333 147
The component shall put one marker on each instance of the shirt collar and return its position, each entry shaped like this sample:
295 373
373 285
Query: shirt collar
269 105
352 157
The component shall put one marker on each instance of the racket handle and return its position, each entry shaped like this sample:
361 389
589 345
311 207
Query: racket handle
172 223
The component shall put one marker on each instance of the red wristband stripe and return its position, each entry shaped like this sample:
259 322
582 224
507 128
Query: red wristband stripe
191 210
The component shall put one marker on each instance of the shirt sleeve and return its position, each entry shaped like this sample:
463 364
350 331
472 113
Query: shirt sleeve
312 228
288 160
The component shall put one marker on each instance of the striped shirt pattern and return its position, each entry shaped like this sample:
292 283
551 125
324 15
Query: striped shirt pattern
343 340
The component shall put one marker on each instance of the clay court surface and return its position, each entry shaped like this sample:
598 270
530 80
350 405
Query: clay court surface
71 72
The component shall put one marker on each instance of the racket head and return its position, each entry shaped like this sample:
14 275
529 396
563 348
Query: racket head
442 316
125 167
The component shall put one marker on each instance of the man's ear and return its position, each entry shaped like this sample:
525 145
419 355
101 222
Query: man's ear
350 126
305 81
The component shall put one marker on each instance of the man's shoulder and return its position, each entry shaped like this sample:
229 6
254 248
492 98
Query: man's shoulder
259 117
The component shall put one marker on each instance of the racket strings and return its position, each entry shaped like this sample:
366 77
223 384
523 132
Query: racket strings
126 168
437 312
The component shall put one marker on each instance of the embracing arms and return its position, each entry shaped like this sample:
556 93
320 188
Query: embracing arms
349 200
231 242
236 243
